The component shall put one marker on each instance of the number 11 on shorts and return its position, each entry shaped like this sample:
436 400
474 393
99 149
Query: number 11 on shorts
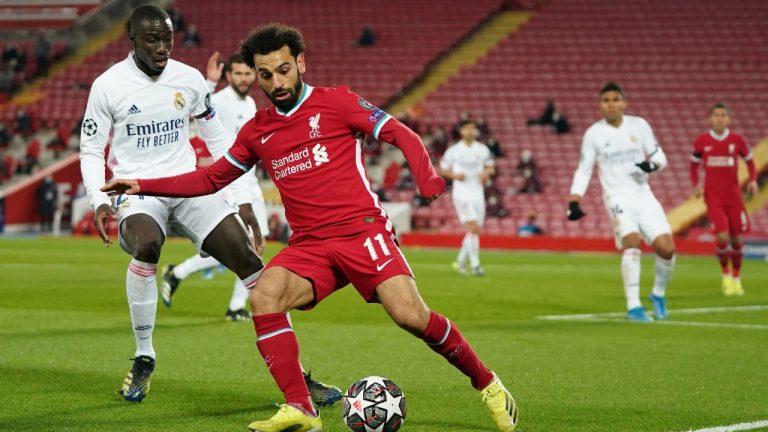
368 243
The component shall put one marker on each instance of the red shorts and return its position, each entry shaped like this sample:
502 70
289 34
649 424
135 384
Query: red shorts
732 218
365 260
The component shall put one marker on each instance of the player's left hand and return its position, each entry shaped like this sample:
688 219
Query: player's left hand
214 68
433 188
121 186
752 188
252 225
647 166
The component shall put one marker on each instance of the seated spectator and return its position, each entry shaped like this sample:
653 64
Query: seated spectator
546 116
177 20
528 169
23 122
379 191
5 137
31 158
47 195
483 131
560 123
406 181
42 53
367 37
495 148
59 142
6 79
494 207
192 37
14 57
530 228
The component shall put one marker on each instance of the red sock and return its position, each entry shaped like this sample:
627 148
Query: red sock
724 255
445 339
736 255
280 350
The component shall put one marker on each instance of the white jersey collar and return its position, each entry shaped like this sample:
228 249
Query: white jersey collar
306 91
719 137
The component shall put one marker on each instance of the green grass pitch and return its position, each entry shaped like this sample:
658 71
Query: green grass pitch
65 340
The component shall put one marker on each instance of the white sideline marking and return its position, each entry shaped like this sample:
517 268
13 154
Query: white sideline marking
676 311
619 317
734 427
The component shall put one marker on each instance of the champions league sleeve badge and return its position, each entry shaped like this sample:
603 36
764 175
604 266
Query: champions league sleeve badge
178 101
90 127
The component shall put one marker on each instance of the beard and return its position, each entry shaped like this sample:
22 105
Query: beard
286 105
242 93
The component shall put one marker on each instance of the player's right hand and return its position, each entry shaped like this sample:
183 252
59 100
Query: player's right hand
121 186
574 211
753 188
103 213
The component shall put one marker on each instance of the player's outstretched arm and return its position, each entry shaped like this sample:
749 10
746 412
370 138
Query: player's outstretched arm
430 184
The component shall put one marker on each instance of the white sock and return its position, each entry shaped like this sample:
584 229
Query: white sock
630 273
141 288
474 251
239 296
464 251
193 264
664 269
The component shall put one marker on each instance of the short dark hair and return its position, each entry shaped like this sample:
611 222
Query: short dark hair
612 87
269 38
718 106
234 58
146 13
467 121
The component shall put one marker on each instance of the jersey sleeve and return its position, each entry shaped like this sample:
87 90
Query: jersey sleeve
447 161
586 164
360 114
241 153
698 152
651 146
94 135
744 150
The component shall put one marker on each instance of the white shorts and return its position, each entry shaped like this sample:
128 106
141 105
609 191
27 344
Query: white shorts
472 209
636 213
193 217
258 204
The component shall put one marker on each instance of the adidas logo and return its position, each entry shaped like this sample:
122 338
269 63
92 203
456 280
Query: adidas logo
133 110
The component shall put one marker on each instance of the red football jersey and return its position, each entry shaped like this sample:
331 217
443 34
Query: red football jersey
720 158
314 155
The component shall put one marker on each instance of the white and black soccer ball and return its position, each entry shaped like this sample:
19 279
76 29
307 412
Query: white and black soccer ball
374 404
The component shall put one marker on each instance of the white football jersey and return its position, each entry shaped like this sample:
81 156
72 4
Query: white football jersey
616 150
233 112
469 160
147 119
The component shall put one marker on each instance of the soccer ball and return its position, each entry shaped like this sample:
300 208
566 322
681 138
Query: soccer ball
373 404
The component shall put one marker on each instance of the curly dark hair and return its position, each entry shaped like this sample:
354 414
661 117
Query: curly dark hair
269 38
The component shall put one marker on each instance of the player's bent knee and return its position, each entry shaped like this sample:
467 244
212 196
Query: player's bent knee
147 251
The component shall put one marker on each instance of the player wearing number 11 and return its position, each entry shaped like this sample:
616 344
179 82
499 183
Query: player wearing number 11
309 144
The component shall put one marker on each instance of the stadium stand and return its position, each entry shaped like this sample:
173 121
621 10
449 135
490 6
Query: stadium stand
673 59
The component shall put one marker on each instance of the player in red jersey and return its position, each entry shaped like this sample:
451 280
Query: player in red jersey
719 151
310 145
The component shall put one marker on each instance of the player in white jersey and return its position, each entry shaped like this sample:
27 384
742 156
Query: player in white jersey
144 103
626 152
234 107
469 164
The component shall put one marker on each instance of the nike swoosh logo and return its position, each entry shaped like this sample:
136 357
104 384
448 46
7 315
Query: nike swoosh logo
266 138
379 267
